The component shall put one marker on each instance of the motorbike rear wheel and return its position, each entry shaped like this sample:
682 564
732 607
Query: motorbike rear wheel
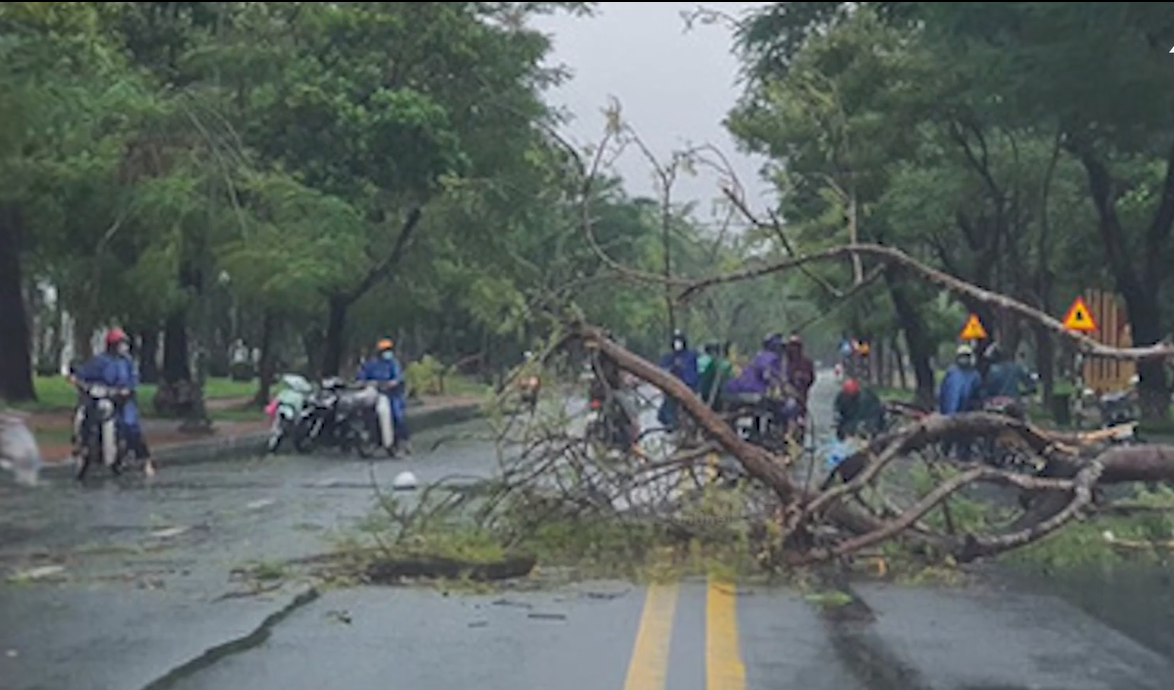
363 439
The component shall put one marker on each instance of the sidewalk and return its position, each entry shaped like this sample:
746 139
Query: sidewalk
169 444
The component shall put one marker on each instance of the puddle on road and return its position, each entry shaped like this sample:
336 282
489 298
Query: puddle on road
1136 599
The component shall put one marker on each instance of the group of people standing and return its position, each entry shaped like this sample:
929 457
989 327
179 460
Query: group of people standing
780 372
967 388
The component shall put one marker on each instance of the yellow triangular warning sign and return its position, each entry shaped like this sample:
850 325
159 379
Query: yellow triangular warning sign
973 329
1079 317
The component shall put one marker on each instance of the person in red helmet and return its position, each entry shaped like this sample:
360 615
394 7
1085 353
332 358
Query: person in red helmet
858 411
116 369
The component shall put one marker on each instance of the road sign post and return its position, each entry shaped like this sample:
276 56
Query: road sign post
973 329
1079 317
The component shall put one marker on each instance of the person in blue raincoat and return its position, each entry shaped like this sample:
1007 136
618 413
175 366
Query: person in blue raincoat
116 369
961 391
385 368
682 363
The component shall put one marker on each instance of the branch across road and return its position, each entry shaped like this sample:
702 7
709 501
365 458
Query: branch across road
142 558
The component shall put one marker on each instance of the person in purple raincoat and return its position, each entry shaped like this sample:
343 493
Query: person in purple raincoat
763 374
761 380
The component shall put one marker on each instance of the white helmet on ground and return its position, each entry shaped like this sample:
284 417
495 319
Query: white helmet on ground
404 481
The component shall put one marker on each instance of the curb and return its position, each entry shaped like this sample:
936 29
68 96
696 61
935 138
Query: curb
253 444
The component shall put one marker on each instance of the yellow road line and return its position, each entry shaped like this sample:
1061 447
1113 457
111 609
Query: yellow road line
650 654
723 658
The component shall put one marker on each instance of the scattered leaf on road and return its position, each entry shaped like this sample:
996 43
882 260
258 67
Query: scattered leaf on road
169 532
37 573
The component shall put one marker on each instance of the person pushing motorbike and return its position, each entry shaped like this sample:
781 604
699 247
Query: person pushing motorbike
384 369
116 369
761 379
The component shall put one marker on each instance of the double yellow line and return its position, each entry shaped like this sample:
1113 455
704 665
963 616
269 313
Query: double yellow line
724 670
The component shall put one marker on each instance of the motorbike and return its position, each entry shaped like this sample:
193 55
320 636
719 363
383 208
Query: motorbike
376 424
98 434
767 422
611 428
999 452
334 418
1118 410
287 409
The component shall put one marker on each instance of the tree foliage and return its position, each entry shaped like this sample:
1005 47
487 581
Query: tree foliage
993 140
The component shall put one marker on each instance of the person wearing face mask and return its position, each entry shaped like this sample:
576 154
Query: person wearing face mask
385 370
682 363
116 369
961 391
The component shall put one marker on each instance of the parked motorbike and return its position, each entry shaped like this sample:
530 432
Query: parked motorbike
98 436
287 408
1119 410
334 418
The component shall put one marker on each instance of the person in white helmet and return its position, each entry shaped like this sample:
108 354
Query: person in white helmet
961 391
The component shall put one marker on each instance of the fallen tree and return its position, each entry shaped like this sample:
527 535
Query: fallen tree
725 489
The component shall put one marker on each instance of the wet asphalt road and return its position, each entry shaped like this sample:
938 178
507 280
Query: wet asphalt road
146 570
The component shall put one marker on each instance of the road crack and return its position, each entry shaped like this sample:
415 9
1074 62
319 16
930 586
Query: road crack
244 643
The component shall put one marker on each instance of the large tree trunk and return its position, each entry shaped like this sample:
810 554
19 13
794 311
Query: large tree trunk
1045 362
899 363
16 370
266 365
917 340
176 365
312 347
149 355
1139 277
335 343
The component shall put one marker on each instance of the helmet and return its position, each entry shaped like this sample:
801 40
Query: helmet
851 387
773 341
384 344
404 481
115 336
964 350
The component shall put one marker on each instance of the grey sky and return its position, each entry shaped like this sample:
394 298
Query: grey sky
675 87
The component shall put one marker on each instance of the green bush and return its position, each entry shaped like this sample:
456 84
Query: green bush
425 377
241 371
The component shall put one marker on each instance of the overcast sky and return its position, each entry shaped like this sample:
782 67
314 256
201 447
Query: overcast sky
675 87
